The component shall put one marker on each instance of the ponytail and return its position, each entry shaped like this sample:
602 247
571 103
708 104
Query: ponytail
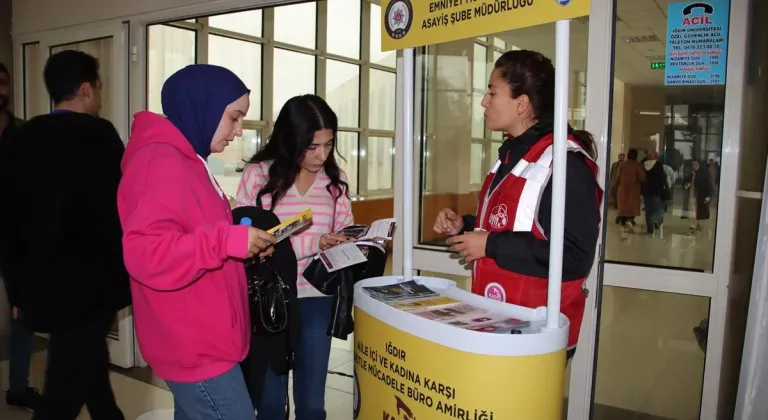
586 141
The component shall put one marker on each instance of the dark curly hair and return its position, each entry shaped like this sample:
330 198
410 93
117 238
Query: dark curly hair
292 135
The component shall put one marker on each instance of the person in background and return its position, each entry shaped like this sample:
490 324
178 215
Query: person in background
184 255
296 170
22 340
628 182
615 165
612 174
62 253
508 238
671 179
655 192
699 187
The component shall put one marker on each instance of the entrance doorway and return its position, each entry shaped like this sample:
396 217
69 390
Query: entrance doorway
106 43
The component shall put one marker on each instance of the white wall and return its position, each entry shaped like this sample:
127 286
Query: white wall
41 15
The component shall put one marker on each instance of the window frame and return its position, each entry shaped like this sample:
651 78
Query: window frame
268 44
491 46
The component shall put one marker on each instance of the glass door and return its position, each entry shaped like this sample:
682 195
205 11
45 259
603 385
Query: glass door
658 319
108 43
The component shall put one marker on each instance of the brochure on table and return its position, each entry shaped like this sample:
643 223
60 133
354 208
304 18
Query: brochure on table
444 366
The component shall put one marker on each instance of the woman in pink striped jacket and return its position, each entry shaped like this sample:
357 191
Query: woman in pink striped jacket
294 171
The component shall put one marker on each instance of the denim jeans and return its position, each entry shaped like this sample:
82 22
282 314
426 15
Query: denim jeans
21 344
654 211
310 369
221 398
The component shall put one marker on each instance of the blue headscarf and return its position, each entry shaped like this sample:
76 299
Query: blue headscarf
194 99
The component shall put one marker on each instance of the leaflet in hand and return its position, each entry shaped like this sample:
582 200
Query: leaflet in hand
400 292
377 232
341 256
292 225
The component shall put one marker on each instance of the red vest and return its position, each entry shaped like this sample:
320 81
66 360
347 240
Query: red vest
514 205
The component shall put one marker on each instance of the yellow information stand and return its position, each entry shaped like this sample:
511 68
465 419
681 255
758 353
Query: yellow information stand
412 368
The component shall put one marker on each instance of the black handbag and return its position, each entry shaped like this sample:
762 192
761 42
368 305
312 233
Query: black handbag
268 296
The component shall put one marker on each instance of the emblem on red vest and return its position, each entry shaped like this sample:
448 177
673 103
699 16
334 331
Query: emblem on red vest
496 292
499 217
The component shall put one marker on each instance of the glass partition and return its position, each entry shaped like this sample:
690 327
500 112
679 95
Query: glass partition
458 149
675 112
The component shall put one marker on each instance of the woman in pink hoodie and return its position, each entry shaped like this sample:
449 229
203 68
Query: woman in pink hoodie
184 255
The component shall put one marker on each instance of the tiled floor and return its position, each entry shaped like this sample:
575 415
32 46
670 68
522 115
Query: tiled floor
649 366
676 250
139 392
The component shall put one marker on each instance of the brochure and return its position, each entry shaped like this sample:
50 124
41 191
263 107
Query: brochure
292 225
377 232
400 291
341 256
422 304
507 326
452 313
476 321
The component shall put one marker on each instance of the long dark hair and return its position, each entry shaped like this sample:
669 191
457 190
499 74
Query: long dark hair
531 73
292 135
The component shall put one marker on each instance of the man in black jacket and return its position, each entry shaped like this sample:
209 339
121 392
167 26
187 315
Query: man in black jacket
22 339
61 251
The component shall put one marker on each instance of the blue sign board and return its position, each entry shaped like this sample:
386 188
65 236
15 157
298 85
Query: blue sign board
697 43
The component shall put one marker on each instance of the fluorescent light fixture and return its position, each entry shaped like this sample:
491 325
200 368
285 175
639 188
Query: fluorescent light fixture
649 113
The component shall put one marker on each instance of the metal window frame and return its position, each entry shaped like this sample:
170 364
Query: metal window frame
202 29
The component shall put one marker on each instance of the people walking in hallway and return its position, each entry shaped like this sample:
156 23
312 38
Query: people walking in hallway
62 253
184 255
295 170
699 187
22 339
655 192
628 182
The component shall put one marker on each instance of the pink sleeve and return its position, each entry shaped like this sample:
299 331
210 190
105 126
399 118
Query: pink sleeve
253 180
158 251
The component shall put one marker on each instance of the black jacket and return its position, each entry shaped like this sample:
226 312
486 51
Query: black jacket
60 247
655 181
521 252
276 351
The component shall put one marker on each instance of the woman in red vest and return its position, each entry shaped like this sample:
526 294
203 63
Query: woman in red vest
507 240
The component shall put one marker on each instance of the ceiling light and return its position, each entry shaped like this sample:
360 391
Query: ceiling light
640 38
649 113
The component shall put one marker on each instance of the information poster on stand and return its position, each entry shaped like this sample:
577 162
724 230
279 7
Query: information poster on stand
399 376
697 43
415 23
